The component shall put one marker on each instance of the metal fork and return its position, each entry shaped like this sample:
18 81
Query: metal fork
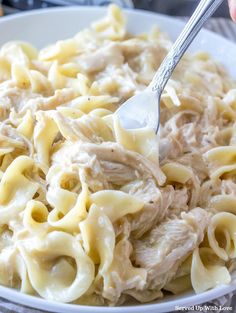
143 109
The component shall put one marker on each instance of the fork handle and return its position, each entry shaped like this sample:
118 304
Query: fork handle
203 11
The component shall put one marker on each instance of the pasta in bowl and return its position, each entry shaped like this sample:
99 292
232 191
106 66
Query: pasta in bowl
97 215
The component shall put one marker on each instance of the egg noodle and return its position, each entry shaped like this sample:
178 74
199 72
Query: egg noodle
91 213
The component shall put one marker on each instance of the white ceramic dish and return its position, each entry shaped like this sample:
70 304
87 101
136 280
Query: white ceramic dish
43 27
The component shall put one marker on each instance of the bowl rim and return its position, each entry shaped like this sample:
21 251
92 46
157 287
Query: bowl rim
130 11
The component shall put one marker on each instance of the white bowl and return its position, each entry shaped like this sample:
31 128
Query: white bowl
43 27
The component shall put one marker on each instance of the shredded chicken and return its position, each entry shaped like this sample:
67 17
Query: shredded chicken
98 60
165 247
114 154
